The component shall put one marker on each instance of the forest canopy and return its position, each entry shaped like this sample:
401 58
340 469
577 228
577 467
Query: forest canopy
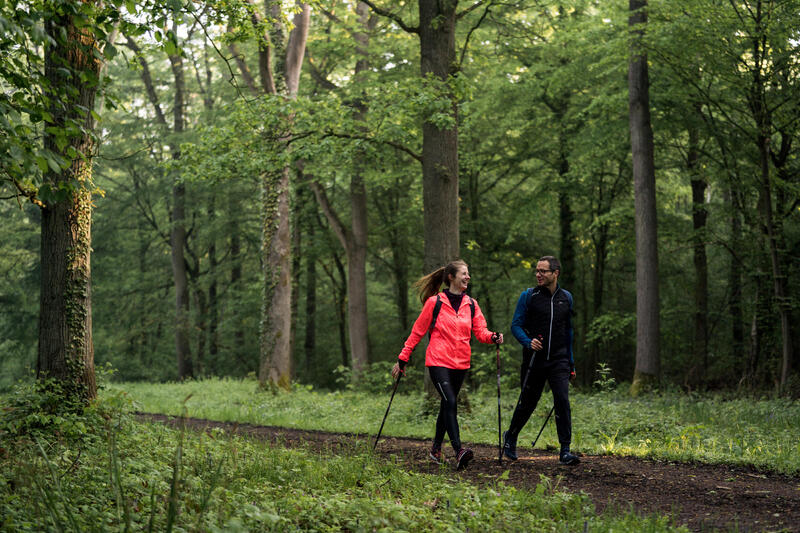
196 189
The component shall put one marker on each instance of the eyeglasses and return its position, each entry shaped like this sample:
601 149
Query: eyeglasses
543 272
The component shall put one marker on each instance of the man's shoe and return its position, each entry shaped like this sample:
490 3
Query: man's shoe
509 446
463 458
436 455
568 458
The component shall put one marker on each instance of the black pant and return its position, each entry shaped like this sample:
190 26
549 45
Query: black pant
557 374
448 382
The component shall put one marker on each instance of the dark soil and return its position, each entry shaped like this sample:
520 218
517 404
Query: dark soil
702 497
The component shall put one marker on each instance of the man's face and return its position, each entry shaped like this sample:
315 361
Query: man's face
544 276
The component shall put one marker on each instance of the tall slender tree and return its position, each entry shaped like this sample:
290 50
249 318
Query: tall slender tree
647 367
178 231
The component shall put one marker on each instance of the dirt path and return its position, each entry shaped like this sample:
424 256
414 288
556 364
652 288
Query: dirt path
702 497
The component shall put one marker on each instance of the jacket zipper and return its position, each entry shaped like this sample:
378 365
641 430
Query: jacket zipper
550 333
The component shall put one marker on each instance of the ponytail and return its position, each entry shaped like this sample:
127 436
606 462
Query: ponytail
430 284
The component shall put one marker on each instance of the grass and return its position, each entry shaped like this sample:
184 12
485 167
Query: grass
669 426
122 475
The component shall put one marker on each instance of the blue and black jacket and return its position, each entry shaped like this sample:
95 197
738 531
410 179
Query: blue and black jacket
540 314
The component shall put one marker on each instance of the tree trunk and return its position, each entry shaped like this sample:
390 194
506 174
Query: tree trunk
276 355
236 278
699 216
354 239
178 236
66 351
566 217
647 368
437 26
310 342
763 121
275 346
735 286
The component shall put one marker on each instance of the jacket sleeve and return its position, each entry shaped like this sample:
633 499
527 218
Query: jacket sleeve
518 321
420 328
479 328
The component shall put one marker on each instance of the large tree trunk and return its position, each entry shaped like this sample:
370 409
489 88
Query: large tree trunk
276 354
647 368
66 351
437 27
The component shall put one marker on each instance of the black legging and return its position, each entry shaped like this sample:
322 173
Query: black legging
448 382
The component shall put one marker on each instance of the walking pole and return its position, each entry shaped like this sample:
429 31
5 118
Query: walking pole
499 424
533 445
527 375
396 383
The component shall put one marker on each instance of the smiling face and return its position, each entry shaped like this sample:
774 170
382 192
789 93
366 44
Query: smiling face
545 276
459 280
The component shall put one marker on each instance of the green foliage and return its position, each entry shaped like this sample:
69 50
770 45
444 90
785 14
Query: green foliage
668 425
135 476
604 381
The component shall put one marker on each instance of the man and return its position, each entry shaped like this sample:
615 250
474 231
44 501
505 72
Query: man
542 324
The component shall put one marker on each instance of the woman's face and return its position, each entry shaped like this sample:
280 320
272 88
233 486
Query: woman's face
459 281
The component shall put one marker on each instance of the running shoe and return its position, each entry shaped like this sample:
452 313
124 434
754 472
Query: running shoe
463 457
568 458
509 446
436 455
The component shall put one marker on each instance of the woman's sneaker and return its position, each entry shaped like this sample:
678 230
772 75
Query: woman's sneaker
436 455
463 458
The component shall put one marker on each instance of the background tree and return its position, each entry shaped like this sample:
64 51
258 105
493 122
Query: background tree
647 299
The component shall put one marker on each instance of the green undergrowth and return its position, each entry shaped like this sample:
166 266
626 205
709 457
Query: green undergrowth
666 426
124 475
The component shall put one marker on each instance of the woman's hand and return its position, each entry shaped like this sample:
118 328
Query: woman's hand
497 338
396 370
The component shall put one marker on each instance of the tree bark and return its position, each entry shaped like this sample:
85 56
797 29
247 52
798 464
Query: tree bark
764 127
700 260
437 27
66 351
276 354
177 240
647 367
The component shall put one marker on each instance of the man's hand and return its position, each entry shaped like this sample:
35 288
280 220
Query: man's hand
536 344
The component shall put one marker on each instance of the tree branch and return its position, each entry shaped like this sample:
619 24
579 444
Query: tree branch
394 145
147 78
475 27
247 76
333 219
392 16
470 9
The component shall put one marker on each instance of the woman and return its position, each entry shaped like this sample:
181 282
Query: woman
450 317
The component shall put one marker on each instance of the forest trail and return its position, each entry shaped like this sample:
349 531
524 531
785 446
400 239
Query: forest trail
702 497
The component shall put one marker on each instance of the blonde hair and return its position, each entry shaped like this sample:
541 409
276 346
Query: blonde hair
430 284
